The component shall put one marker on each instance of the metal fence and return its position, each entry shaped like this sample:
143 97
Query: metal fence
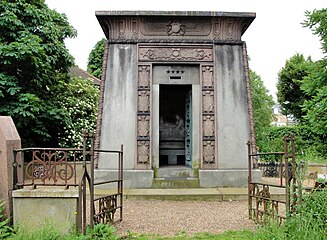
51 167
262 201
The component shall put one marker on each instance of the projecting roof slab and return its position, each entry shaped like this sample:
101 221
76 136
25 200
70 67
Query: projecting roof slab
174 26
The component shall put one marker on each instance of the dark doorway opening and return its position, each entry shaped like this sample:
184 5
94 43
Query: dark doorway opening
173 126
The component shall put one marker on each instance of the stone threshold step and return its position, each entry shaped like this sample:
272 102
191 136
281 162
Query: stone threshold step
208 194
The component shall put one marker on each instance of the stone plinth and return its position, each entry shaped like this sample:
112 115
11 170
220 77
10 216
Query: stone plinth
227 177
55 206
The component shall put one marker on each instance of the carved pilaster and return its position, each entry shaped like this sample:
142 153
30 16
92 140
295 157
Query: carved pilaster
209 158
143 117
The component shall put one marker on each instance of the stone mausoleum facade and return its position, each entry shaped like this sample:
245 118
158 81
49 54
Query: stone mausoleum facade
175 92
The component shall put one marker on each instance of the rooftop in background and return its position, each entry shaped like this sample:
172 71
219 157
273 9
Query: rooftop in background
78 72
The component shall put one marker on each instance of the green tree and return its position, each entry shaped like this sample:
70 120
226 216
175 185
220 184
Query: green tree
290 77
262 105
95 60
33 57
315 84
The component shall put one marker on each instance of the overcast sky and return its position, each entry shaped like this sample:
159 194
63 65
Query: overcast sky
274 36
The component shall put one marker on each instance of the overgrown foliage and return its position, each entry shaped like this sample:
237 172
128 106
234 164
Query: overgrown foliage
95 60
33 57
5 230
78 98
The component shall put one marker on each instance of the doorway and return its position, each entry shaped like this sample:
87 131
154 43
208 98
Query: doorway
175 124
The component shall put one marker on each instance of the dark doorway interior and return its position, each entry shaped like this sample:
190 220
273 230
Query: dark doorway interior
172 124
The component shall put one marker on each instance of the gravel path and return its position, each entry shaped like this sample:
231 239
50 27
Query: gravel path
170 217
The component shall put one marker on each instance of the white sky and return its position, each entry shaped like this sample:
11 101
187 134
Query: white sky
274 36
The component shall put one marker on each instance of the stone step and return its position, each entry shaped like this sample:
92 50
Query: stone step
207 194
175 171
175 182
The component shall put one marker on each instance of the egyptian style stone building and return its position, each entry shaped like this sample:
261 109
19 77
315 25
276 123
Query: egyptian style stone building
175 92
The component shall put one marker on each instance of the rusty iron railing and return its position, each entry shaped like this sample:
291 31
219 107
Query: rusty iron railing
46 167
58 167
263 203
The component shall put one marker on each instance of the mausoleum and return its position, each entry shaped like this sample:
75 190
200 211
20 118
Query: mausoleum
175 92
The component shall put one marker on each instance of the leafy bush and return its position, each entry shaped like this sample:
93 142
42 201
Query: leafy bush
79 99
307 144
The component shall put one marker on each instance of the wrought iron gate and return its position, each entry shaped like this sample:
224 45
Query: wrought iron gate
58 167
263 203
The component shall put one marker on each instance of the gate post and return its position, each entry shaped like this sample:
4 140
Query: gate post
9 140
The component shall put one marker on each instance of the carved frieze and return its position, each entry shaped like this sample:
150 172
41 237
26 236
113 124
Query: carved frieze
175 54
173 29
167 26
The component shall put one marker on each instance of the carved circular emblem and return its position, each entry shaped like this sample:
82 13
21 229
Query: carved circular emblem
175 53
175 28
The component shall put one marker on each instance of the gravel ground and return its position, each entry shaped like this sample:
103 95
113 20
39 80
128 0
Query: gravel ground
170 217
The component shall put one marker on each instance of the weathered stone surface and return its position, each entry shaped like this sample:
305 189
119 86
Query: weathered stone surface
232 109
226 177
35 208
9 140
131 178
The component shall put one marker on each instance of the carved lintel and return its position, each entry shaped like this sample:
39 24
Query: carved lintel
195 53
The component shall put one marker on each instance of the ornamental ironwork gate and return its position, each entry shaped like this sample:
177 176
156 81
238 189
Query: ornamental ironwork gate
273 200
50 167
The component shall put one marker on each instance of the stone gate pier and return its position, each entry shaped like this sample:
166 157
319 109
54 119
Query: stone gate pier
175 91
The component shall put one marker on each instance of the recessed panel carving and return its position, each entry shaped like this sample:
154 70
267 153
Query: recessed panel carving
143 126
143 152
208 117
208 152
208 101
143 115
144 101
208 126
